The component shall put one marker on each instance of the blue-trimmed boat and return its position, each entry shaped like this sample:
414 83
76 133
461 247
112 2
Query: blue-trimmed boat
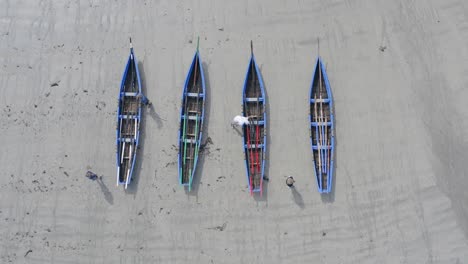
192 113
254 134
128 120
322 127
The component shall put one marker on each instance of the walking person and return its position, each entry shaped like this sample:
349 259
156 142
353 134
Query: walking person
239 121
290 181
143 100
91 175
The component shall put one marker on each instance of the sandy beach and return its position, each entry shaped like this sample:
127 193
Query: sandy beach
398 71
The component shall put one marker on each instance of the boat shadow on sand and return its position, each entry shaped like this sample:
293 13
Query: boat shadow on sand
133 186
206 140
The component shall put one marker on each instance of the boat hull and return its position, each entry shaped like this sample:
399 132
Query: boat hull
192 114
128 122
322 125
254 135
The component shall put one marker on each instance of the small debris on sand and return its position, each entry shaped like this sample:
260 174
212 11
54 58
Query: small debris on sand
220 178
219 228
204 145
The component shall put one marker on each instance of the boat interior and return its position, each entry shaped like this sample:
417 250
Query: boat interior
321 128
128 123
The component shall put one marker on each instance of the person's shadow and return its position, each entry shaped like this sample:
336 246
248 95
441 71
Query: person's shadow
297 197
107 194
154 115
238 129
151 109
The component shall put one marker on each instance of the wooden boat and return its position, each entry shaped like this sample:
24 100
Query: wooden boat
192 114
322 127
128 120
254 134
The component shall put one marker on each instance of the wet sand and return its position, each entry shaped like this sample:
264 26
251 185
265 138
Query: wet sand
397 69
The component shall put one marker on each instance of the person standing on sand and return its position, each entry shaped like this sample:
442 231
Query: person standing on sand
143 100
290 181
239 121
92 176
